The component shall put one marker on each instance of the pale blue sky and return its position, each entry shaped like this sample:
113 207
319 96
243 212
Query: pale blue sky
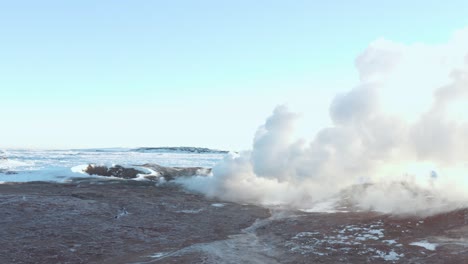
200 73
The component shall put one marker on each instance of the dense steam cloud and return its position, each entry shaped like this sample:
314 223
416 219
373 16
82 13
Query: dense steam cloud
398 144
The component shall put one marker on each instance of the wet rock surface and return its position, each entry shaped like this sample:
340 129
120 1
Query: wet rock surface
124 221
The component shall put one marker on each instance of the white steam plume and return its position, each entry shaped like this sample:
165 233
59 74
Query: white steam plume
403 130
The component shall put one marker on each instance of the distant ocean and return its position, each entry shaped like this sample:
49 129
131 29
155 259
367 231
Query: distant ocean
23 165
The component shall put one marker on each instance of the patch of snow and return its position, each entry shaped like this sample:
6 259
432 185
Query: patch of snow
378 232
390 241
390 256
218 205
158 255
190 211
341 239
425 244
306 234
365 237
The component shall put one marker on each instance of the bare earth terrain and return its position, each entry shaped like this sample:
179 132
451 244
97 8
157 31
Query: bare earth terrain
125 221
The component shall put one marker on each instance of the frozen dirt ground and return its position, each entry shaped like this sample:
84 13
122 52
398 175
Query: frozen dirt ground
119 221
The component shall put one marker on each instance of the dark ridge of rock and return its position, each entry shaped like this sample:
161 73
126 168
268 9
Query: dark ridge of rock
179 149
169 173
115 171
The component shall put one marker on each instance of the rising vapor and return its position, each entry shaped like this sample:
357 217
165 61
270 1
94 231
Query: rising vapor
398 143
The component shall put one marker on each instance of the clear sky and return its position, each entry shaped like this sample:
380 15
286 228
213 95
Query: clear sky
198 73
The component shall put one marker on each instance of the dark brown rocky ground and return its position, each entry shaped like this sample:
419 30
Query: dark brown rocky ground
124 221
109 221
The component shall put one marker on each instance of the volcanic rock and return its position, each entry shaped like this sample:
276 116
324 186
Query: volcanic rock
114 171
168 173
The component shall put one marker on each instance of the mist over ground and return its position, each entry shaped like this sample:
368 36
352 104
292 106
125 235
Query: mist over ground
398 143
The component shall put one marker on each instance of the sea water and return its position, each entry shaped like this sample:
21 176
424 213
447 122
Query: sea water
22 165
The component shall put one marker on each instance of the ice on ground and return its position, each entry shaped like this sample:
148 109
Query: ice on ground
425 244
158 255
390 241
218 205
344 239
378 232
190 211
390 256
306 234
365 237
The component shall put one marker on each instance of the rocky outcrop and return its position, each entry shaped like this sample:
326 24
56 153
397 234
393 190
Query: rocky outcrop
114 171
168 173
